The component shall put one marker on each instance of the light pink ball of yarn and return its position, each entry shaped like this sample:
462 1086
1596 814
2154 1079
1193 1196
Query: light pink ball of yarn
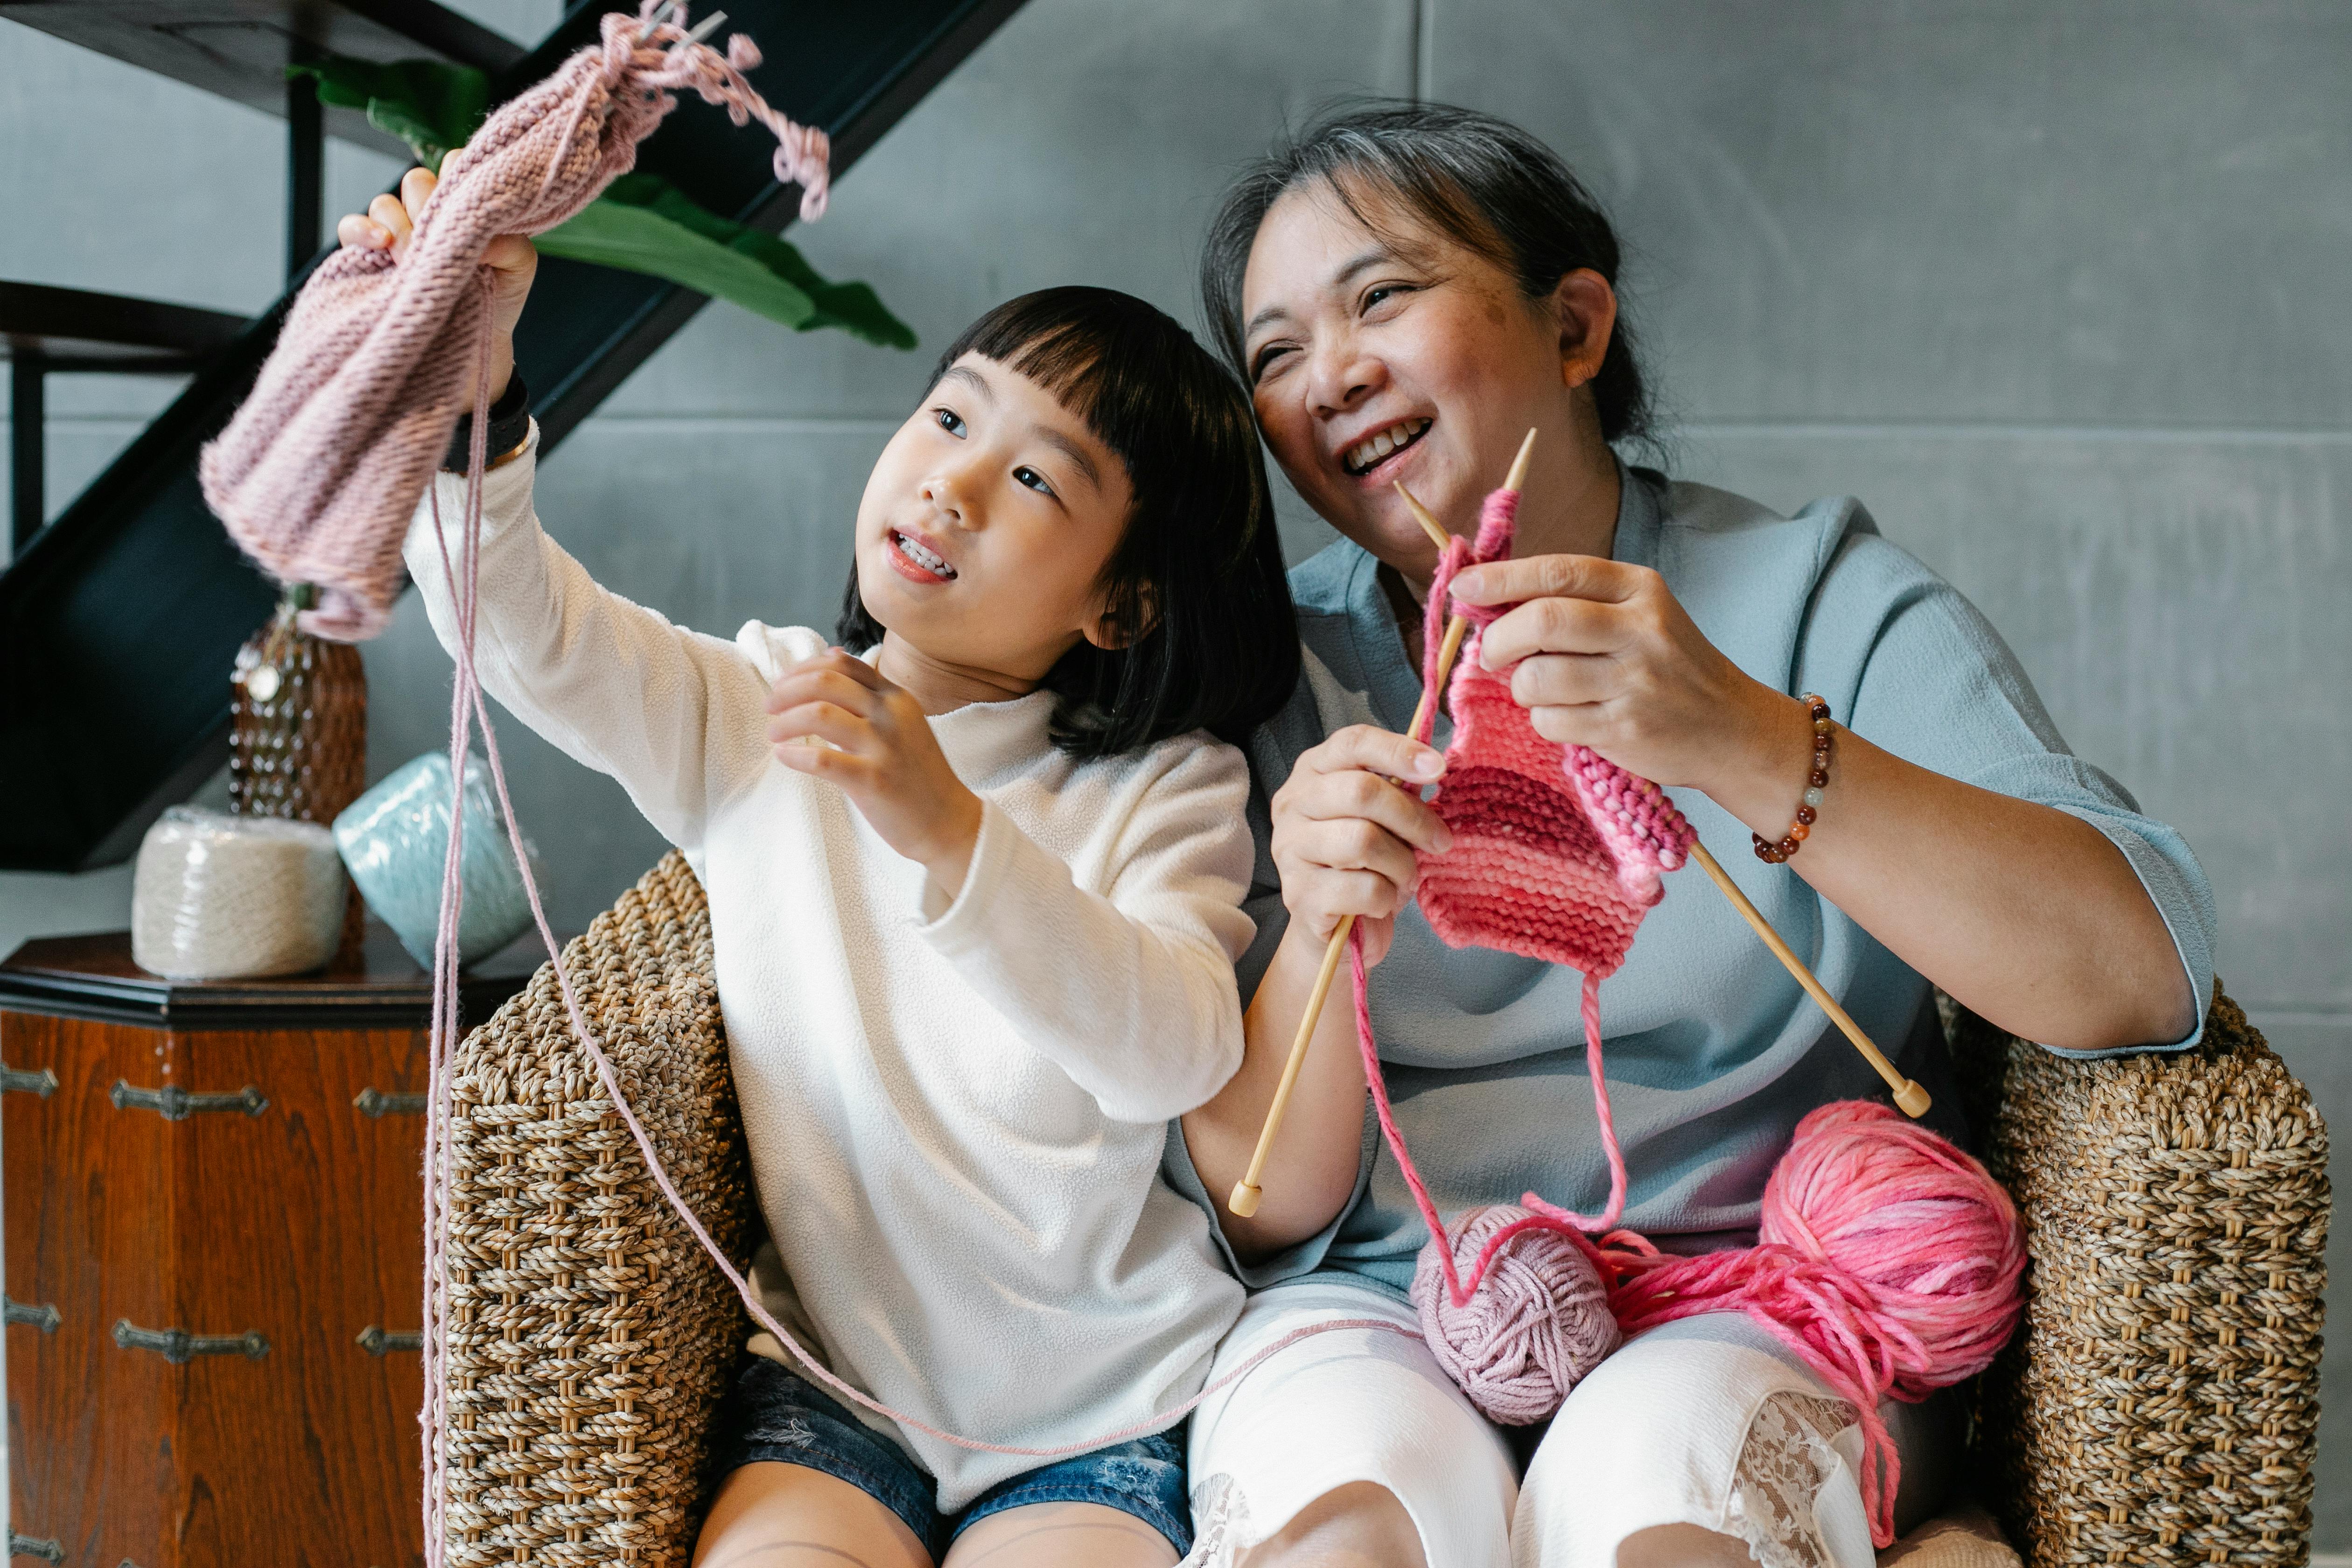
1531 1329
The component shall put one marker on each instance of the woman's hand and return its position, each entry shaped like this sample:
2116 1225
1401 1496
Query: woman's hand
1608 658
836 718
513 263
1344 836
2032 918
1344 839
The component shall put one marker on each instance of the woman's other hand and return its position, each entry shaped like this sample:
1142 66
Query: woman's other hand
1607 657
390 221
1345 835
836 718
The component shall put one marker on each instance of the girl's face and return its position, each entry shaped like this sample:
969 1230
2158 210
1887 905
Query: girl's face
986 525
1368 365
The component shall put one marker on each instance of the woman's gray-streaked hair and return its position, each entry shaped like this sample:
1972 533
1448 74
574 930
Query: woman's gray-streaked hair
1481 182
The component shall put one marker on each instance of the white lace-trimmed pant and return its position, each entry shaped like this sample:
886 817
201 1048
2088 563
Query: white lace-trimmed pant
1709 1422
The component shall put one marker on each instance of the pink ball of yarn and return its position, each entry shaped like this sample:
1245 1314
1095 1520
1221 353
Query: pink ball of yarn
1531 1329
1933 1237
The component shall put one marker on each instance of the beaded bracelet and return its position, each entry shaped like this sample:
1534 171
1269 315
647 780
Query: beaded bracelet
1801 829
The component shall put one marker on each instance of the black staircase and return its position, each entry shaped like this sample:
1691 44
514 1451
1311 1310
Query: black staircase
117 621
240 48
44 330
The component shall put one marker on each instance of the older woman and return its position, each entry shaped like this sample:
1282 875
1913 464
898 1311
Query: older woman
1407 290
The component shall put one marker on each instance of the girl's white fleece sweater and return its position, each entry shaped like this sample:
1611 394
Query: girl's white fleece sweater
955 1110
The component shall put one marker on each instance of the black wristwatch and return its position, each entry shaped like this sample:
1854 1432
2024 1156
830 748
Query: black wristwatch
509 422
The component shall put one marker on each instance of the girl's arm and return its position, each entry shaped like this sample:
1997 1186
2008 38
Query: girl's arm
674 716
1130 992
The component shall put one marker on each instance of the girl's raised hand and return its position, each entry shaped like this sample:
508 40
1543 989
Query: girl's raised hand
388 222
878 746
1344 836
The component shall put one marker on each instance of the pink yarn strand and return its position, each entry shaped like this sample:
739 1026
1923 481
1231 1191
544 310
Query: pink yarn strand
1545 1217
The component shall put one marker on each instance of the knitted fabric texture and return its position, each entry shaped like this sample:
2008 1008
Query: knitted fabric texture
320 471
1557 850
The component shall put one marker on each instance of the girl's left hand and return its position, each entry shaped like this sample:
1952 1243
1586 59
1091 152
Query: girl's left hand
1608 658
878 747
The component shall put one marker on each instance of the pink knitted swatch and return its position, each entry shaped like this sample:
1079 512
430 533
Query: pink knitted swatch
1557 850
320 471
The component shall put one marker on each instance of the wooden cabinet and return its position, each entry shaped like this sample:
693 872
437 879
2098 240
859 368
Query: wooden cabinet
213 1258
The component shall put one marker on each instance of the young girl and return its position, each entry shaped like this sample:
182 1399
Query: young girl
974 883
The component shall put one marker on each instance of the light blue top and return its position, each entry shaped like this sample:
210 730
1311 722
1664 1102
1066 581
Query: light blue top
1714 1053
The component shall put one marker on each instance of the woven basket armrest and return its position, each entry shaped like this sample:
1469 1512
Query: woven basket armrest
2161 1402
590 1337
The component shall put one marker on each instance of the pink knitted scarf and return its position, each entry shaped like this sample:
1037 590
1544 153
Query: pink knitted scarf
320 471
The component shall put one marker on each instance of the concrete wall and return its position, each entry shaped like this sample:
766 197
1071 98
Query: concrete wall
2057 290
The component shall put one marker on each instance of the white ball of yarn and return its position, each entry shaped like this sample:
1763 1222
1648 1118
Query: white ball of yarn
216 897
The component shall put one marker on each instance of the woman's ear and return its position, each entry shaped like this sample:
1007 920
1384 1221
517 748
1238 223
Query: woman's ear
1587 307
1111 631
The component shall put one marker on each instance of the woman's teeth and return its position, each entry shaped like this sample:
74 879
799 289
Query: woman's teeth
929 562
1361 456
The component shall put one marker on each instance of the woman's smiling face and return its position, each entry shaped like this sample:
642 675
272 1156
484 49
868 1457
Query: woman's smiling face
1396 354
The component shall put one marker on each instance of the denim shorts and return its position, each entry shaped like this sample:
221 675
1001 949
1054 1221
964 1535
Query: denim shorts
775 1414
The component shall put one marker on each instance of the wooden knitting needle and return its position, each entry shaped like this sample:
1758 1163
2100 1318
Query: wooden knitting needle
1909 1097
1244 1200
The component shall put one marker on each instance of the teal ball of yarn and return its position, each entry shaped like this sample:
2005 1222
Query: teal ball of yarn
396 838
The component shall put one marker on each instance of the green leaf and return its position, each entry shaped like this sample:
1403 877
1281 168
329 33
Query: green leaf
645 224
431 106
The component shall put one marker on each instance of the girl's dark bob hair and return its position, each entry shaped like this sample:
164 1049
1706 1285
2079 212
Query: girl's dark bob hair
1196 586
1479 181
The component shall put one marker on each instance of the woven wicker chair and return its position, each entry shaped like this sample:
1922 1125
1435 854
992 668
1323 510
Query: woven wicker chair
2160 1406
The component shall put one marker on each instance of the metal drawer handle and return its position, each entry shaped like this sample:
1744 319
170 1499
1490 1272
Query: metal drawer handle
179 1347
176 1104
40 1084
26 1546
44 1317
374 1101
379 1342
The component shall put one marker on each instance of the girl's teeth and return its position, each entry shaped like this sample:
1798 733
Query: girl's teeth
921 557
